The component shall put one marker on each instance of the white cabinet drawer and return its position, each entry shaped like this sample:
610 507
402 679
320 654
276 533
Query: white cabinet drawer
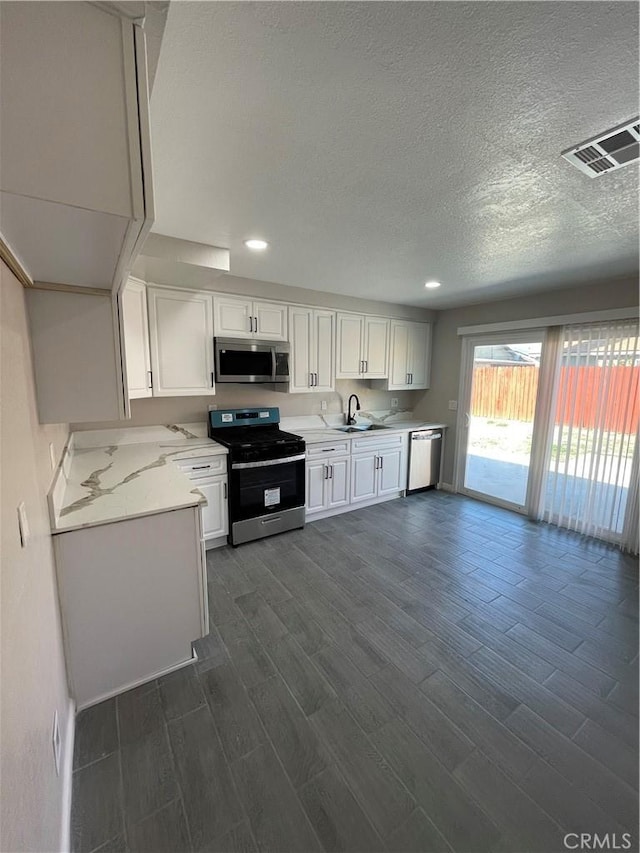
204 466
333 448
371 445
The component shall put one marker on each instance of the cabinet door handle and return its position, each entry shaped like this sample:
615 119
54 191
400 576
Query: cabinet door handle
331 475
381 462
411 379
149 379
224 491
407 379
316 383
377 461
326 472
256 328
311 380
366 367
212 382
199 467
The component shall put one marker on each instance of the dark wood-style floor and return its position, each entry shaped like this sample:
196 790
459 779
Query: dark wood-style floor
429 674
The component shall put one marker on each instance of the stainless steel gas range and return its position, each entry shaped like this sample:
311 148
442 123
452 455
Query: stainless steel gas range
266 468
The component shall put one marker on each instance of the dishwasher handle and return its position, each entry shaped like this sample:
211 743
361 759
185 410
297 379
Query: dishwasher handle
425 436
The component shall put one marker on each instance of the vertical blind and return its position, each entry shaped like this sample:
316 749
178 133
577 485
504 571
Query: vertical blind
589 479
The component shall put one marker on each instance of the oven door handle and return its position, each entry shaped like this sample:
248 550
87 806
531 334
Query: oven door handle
299 457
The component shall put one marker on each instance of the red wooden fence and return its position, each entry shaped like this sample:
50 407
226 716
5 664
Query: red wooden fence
508 392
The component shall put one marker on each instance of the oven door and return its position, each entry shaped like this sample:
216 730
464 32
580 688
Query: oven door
247 361
261 488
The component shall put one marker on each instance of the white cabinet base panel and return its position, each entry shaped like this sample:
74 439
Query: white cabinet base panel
116 692
133 599
219 542
316 516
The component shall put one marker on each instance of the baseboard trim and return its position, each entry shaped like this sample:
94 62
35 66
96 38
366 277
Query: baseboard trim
329 513
139 681
446 487
67 778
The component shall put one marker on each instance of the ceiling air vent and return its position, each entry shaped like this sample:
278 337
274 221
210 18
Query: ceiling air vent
608 151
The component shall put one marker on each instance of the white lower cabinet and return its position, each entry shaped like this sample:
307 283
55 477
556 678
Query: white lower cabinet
327 484
133 599
364 477
392 471
215 515
338 483
358 471
209 475
378 469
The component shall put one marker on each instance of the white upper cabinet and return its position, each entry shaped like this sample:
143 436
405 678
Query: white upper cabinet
409 356
375 347
270 321
181 332
77 192
233 317
362 347
349 346
420 355
136 338
238 317
312 347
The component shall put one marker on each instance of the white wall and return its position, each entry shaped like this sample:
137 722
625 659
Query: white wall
33 678
445 369
172 410
161 271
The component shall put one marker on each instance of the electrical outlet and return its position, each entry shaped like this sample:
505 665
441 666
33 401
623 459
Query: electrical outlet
56 742
52 455
453 405
323 405
394 402
23 524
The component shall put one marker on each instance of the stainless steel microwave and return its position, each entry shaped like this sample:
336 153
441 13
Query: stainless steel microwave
240 360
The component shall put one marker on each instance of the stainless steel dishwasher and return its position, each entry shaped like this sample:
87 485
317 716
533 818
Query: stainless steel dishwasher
425 449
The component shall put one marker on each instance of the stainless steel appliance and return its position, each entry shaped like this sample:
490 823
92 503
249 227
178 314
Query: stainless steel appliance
425 449
240 360
266 472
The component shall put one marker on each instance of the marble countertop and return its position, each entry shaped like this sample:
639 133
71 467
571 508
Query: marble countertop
112 475
317 429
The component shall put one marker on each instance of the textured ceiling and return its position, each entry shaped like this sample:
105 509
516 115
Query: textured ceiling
377 145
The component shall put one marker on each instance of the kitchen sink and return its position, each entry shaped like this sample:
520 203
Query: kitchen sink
362 428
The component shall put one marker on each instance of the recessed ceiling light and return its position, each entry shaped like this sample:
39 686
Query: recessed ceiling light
432 284
256 245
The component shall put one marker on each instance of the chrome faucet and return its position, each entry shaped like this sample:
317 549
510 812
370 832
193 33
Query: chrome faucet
351 418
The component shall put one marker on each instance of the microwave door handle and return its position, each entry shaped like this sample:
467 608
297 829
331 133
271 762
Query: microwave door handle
273 363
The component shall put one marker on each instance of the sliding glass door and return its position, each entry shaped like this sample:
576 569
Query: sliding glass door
497 427
591 434
549 425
